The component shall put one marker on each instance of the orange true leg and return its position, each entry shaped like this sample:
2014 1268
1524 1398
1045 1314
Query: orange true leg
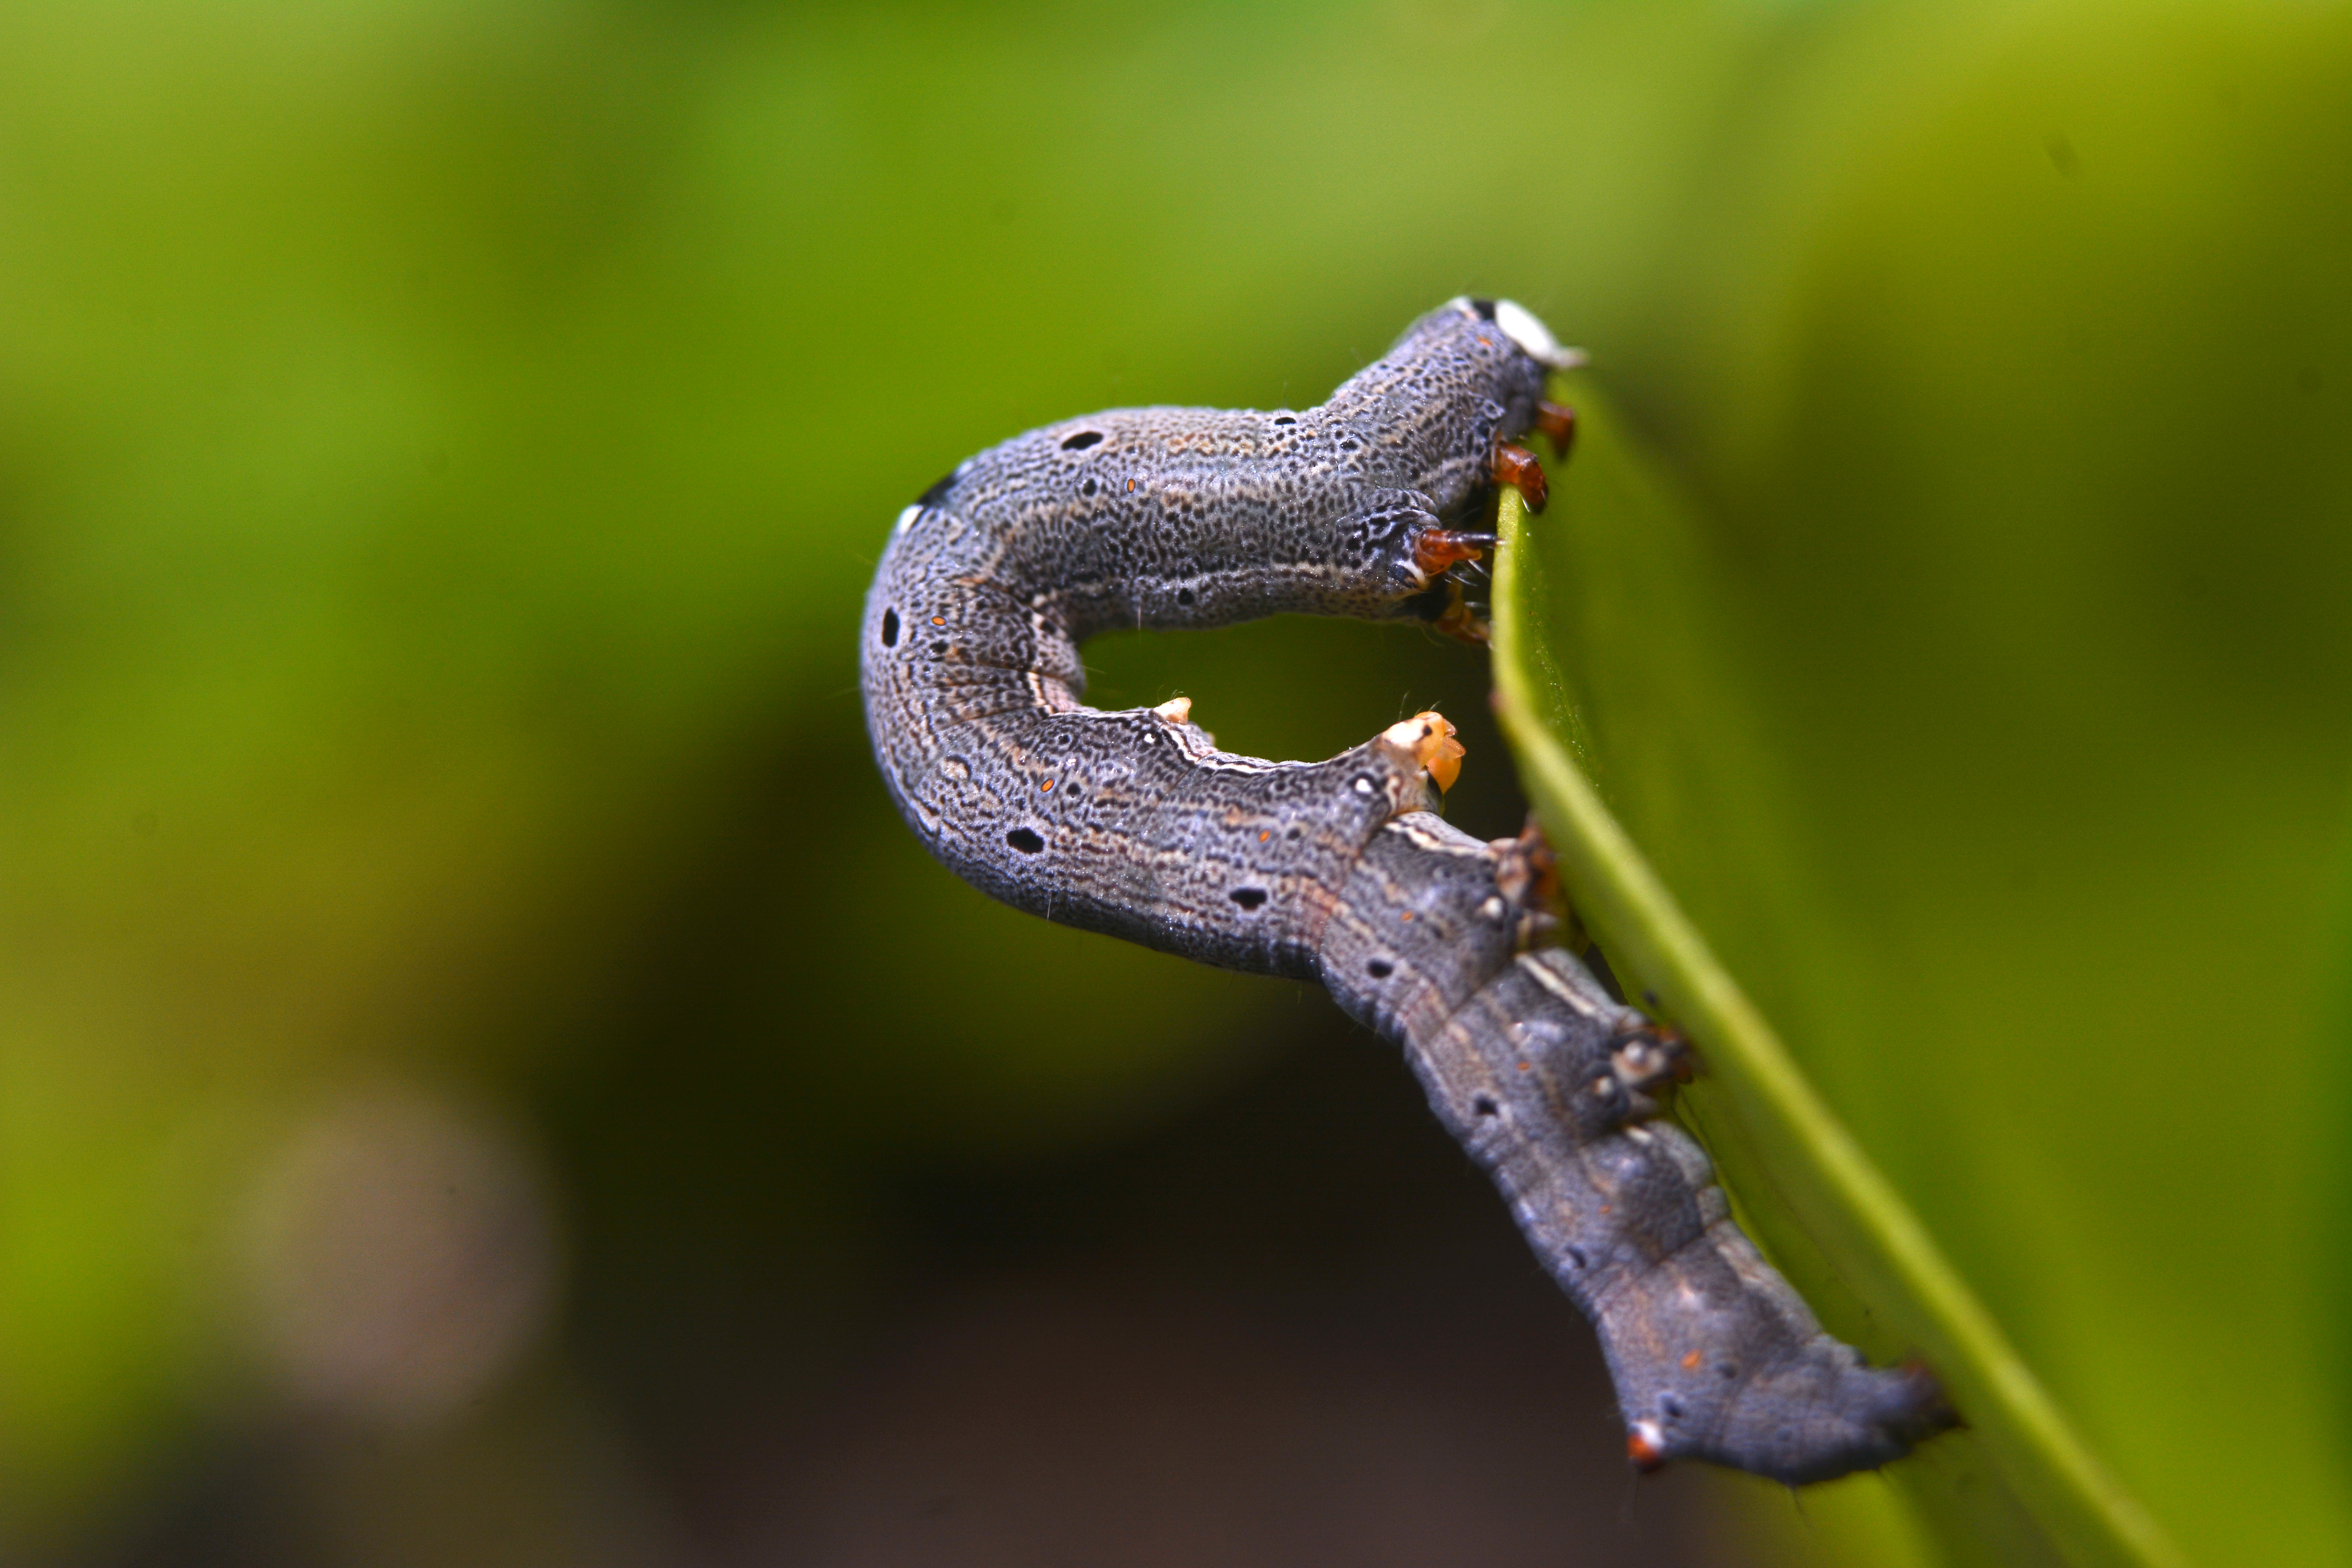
1517 466
1434 550
1459 621
1556 421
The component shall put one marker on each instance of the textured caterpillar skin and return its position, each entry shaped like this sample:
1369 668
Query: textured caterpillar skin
1135 824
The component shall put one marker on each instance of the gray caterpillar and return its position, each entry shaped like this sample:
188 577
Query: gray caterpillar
1135 824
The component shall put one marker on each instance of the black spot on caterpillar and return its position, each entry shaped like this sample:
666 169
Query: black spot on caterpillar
1342 871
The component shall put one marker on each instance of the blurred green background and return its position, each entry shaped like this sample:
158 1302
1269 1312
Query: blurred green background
485 1078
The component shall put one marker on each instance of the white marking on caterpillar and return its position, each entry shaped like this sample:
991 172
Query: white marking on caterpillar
1441 844
1577 1002
1535 337
1340 870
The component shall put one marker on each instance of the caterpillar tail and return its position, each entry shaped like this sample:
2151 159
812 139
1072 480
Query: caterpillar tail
1559 1092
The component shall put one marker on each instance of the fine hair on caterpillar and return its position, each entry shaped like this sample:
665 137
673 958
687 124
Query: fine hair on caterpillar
1134 823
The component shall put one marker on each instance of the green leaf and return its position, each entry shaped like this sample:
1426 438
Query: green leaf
1818 1168
1963 645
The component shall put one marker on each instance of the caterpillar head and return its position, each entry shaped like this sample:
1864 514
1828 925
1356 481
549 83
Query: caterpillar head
1520 324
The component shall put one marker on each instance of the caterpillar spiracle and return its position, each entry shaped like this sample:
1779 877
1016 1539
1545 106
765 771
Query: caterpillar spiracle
1135 824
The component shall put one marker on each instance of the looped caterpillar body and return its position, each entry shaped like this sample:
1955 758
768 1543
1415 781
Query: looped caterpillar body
1135 824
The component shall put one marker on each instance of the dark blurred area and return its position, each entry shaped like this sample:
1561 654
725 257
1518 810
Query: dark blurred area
1286 1325
484 1077
1262 1311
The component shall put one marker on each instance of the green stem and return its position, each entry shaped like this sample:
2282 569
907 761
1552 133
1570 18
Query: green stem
2071 1496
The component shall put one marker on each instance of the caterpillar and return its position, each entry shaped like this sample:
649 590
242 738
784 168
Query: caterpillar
1342 871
